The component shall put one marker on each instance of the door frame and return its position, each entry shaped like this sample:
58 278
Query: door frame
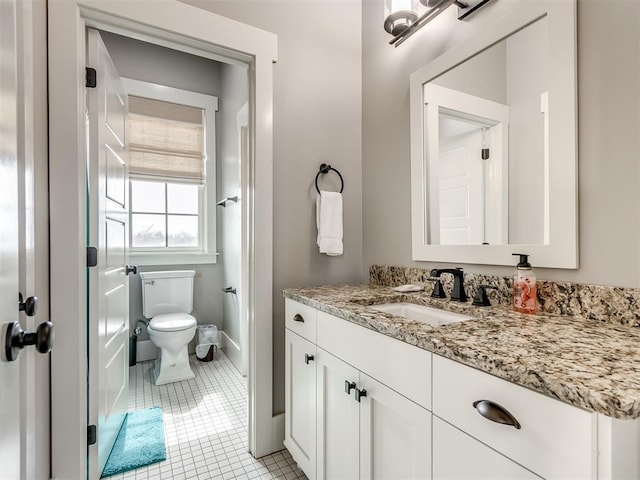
193 30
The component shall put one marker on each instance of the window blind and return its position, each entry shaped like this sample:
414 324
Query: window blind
166 140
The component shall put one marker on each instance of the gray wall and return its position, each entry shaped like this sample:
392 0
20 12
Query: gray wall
317 118
609 148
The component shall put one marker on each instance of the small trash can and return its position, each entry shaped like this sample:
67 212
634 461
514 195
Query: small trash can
208 342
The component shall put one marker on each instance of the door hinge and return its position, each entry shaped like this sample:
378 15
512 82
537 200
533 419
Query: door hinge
485 154
91 77
92 435
92 257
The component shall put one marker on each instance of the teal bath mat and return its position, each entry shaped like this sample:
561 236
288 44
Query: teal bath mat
139 443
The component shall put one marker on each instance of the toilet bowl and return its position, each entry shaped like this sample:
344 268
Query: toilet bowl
167 300
171 333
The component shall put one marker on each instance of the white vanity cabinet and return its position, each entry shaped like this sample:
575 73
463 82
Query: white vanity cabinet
300 386
417 415
371 399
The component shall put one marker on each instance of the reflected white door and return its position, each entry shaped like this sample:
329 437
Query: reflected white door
10 398
109 232
461 189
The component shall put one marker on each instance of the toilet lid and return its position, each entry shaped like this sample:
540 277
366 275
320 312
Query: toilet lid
171 322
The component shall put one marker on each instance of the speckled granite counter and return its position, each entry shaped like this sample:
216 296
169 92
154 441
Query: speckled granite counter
586 363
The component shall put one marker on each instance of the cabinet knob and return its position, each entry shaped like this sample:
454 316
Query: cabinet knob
360 394
496 413
308 358
298 318
348 386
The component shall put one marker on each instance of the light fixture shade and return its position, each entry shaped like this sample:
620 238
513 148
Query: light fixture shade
399 15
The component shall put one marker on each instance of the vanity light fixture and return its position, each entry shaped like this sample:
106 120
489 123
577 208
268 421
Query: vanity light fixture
403 18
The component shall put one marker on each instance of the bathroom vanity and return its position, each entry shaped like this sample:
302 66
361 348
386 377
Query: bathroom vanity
371 394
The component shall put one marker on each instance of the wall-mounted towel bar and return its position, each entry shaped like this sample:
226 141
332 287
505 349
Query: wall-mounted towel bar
325 168
223 202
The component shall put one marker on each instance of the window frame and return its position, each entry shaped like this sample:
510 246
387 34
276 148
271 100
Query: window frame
207 252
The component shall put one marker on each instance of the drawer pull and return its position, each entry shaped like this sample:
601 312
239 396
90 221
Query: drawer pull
496 413
360 394
348 386
308 358
298 318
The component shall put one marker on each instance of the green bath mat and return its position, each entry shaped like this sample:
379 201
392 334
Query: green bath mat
140 442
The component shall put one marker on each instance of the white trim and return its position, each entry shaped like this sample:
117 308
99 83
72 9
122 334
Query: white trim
189 29
231 349
562 249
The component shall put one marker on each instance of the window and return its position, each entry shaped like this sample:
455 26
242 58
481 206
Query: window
171 143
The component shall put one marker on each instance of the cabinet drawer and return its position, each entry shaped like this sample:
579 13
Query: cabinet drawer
301 319
555 440
456 455
398 365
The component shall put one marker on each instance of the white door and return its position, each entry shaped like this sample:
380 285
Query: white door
108 231
461 189
458 456
338 421
10 398
300 401
395 434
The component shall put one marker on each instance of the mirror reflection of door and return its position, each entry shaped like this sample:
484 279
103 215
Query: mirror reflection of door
461 179
468 168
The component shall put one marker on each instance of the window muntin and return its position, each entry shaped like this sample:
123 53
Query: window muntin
165 215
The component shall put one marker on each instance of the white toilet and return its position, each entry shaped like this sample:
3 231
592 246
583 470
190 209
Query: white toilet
167 299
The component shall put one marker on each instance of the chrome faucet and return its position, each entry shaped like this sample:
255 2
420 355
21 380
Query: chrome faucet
457 293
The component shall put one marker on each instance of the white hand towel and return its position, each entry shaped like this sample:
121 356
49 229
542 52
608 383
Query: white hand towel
329 222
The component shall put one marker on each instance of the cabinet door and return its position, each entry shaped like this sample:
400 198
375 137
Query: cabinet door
458 456
337 419
395 434
300 401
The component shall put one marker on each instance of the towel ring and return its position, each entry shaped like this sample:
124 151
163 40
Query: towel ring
325 168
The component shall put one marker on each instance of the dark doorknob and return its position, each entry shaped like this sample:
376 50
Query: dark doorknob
28 306
131 269
16 339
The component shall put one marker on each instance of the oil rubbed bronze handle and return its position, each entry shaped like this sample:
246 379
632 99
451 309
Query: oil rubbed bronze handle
298 318
496 413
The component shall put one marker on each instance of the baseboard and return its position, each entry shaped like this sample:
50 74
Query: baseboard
277 433
146 350
232 350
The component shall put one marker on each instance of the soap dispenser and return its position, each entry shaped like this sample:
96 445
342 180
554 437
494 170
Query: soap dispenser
524 286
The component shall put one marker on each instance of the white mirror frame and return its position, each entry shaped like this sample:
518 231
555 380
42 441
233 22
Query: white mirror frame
560 249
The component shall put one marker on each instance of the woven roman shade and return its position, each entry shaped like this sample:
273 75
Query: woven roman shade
166 140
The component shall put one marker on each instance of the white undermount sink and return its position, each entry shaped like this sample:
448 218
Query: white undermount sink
419 313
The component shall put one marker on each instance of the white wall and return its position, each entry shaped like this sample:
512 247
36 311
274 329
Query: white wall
609 122
317 119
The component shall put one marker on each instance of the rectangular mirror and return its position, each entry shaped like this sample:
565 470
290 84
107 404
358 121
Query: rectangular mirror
493 144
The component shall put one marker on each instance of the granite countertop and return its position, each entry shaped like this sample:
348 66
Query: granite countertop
586 363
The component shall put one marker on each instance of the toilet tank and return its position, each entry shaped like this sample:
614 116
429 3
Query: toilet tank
167 292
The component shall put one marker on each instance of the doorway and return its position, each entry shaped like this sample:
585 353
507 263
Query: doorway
187 29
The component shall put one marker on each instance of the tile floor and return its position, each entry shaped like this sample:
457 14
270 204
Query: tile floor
205 421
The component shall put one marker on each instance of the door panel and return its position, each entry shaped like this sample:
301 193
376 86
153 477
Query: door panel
395 434
338 420
10 398
108 284
300 402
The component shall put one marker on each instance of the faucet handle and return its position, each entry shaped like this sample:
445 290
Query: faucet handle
438 289
481 299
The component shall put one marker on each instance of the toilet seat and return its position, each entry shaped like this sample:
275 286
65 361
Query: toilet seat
172 322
